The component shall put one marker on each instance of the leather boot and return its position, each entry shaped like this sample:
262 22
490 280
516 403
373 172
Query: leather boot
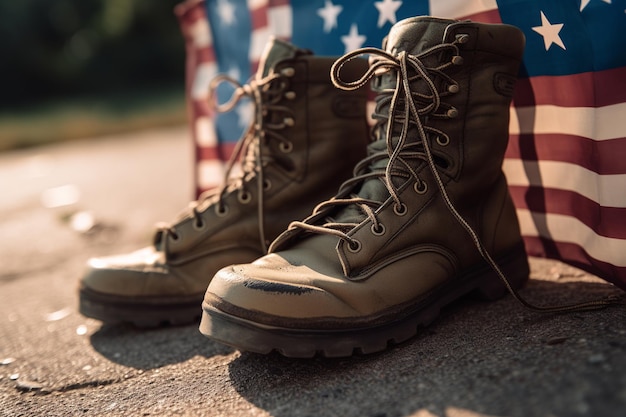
426 219
306 139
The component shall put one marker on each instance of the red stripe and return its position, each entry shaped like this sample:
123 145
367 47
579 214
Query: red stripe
201 108
604 221
190 11
588 89
576 256
606 157
278 3
221 152
258 17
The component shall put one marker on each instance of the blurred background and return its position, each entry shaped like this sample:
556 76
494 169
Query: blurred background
85 68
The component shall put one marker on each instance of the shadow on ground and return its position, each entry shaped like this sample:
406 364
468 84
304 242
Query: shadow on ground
492 358
154 348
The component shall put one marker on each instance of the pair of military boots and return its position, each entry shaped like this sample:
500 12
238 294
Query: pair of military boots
404 217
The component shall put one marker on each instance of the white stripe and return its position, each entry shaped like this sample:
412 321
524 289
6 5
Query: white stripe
597 123
202 78
606 190
258 40
567 229
279 19
257 4
460 8
200 33
205 131
210 173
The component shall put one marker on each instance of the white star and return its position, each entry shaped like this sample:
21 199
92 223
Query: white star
226 10
329 13
234 72
549 32
387 11
584 3
353 40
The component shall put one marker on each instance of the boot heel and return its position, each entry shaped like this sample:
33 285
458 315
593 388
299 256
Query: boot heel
516 270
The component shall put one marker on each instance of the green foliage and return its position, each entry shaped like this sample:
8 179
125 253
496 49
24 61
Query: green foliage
53 49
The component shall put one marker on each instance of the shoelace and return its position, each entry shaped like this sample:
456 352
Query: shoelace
403 109
265 94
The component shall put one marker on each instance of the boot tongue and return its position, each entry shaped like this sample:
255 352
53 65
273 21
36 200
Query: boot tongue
275 51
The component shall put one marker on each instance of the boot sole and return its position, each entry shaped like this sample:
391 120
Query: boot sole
144 312
254 337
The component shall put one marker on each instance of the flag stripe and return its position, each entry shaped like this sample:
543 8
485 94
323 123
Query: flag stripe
606 190
208 152
567 229
462 9
599 123
573 149
605 221
588 89
575 255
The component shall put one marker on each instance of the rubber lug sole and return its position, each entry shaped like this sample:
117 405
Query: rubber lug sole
255 337
141 312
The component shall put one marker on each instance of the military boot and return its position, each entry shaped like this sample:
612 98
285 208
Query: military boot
305 140
426 219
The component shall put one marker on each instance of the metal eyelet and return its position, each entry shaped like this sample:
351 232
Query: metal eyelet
244 197
175 237
378 231
457 60
221 211
285 147
420 187
400 209
199 224
454 88
288 121
290 95
354 246
452 113
288 72
462 38
443 141
267 184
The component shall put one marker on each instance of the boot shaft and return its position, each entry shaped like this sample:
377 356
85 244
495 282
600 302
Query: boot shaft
475 89
304 142
328 134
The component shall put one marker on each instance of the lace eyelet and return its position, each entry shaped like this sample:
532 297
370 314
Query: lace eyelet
221 211
244 197
288 72
443 141
199 224
174 236
267 184
462 38
453 88
452 113
290 95
285 147
420 187
354 246
457 60
400 209
288 121
378 231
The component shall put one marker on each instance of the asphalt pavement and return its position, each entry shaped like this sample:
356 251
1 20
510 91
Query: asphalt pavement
61 204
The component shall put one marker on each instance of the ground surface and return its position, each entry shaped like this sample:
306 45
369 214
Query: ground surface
478 359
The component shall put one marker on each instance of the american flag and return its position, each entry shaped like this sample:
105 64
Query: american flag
566 160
